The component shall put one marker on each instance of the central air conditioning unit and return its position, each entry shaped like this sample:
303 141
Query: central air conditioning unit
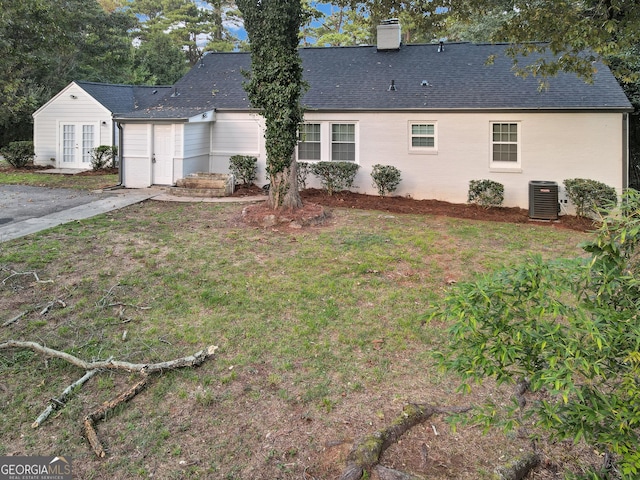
543 200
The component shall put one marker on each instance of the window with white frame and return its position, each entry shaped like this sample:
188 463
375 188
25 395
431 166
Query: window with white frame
505 144
343 142
327 141
422 137
309 144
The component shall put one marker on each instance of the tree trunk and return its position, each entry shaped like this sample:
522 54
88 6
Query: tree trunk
283 191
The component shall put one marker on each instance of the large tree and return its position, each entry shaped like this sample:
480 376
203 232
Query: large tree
275 87
44 44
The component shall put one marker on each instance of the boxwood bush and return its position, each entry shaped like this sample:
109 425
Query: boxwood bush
335 176
244 168
486 193
590 197
103 156
386 178
18 154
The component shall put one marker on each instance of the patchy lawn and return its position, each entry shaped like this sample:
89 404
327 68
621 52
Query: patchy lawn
321 333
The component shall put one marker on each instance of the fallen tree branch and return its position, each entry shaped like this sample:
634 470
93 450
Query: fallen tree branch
366 454
35 275
142 368
14 319
56 403
90 420
52 304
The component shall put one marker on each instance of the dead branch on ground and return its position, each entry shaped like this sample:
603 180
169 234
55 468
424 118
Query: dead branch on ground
366 455
144 369
15 274
14 319
59 402
52 304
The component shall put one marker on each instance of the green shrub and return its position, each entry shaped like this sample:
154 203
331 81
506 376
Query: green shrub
486 193
335 176
565 332
303 172
19 154
103 156
590 197
244 168
386 178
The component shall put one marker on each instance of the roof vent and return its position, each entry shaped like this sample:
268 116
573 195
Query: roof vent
441 46
392 87
389 36
175 92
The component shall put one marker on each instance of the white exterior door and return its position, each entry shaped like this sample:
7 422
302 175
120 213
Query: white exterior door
162 160
76 142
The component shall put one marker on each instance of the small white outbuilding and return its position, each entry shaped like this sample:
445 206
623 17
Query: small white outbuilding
79 118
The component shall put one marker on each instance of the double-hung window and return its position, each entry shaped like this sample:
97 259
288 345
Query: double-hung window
505 145
343 142
327 142
309 146
422 137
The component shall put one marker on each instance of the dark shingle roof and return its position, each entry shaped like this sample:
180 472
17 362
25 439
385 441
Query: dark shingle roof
120 99
358 78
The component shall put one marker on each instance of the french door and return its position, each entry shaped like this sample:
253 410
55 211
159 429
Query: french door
76 142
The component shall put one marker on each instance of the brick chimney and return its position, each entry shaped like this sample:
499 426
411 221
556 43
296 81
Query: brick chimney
389 36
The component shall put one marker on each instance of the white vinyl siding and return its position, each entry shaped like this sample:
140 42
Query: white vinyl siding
72 106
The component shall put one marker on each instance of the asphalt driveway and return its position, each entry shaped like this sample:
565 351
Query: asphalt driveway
25 210
20 202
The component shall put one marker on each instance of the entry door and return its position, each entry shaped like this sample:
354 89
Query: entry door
162 161
77 141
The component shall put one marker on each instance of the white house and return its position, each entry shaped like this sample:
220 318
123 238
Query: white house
439 113
80 117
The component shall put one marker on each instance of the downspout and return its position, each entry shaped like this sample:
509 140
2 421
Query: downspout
120 183
625 151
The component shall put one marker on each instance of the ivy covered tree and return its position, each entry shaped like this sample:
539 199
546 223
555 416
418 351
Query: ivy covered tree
275 87
567 334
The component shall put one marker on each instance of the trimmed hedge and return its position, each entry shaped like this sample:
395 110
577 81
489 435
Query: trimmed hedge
335 176
103 156
19 154
244 168
386 178
486 193
590 197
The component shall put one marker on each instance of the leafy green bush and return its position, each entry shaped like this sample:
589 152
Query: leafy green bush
103 156
566 333
590 197
386 178
244 168
335 176
486 193
18 154
303 172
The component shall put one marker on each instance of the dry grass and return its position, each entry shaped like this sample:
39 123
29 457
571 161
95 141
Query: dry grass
321 334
